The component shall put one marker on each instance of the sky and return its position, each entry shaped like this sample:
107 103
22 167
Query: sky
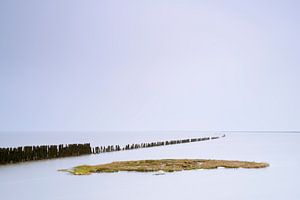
130 65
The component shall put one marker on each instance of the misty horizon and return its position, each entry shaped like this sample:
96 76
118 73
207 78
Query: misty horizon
131 65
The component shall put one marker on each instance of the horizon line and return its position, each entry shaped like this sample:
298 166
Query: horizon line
248 131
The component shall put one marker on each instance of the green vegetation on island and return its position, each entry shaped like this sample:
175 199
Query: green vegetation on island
165 165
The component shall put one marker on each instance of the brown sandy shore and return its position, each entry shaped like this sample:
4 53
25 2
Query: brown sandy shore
165 165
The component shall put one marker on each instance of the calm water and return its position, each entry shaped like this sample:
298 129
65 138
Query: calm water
40 180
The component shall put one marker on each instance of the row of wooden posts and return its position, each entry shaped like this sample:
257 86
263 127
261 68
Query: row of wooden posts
111 148
30 153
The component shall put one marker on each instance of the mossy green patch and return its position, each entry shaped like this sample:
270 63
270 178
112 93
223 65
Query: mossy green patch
166 165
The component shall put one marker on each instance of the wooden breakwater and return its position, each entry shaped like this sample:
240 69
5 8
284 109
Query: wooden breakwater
112 148
30 153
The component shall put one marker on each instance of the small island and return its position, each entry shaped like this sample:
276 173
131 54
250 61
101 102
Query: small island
164 165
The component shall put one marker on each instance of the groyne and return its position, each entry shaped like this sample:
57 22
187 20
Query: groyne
30 153
112 148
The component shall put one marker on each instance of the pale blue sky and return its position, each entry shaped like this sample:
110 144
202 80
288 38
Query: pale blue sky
149 65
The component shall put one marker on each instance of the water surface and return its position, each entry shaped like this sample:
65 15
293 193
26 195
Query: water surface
40 180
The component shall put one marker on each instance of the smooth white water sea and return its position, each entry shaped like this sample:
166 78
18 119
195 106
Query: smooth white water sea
41 180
